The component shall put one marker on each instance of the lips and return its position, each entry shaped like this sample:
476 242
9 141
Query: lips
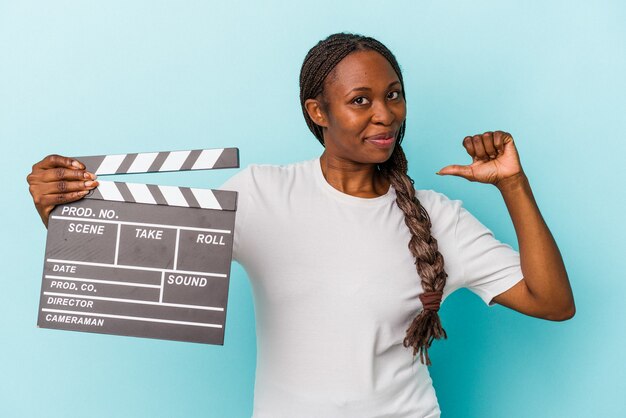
384 139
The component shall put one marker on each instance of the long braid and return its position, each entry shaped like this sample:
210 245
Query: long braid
429 262
317 65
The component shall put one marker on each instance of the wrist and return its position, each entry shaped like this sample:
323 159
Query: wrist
512 183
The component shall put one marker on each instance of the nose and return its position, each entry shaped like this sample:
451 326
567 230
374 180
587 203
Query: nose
382 113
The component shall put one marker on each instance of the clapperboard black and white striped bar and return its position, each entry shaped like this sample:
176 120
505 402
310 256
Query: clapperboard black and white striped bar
142 260
151 162
153 194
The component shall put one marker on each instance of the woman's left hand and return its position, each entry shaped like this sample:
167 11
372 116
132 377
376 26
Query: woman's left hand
495 159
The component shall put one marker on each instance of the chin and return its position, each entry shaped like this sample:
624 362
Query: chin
381 157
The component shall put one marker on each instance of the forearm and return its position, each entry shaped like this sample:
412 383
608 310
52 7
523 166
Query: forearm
541 262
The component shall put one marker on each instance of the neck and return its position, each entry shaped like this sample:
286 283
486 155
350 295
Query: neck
353 178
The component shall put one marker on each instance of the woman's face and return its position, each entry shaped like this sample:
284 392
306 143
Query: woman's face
362 108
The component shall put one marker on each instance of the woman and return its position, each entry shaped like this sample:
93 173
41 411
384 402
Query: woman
342 303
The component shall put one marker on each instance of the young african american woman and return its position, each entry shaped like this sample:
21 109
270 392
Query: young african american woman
348 262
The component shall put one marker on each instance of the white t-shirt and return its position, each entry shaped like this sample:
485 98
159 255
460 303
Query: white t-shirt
335 288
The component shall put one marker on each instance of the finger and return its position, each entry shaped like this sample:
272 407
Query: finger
490 148
61 198
54 161
469 147
464 171
64 187
62 174
498 142
479 147
500 138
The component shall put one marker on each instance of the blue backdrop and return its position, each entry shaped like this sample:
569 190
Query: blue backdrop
87 77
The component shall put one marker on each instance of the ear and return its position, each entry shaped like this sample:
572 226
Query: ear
316 112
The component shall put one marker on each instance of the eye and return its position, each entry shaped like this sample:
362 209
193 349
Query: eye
360 100
393 95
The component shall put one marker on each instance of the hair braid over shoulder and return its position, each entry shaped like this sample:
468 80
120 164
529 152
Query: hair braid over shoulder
317 65
428 260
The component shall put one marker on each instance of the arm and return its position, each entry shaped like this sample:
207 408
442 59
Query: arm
545 291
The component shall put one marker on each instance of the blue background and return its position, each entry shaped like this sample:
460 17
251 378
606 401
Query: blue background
86 77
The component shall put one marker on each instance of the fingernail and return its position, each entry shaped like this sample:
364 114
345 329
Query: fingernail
90 183
438 173
89 175
77 164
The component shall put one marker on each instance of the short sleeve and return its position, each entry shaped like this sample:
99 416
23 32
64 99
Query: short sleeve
490 267
240 183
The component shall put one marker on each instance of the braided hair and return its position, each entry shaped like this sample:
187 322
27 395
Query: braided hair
317 65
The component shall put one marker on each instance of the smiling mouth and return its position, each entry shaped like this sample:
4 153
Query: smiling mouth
384 139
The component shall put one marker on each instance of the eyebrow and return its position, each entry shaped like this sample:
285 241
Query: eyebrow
369 89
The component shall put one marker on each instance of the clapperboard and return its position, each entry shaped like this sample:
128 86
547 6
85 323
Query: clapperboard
142 260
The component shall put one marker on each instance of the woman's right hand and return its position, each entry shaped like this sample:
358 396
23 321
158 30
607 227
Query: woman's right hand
56 180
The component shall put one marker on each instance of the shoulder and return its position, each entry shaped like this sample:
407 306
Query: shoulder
434 201
278 171
262 176
442 211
